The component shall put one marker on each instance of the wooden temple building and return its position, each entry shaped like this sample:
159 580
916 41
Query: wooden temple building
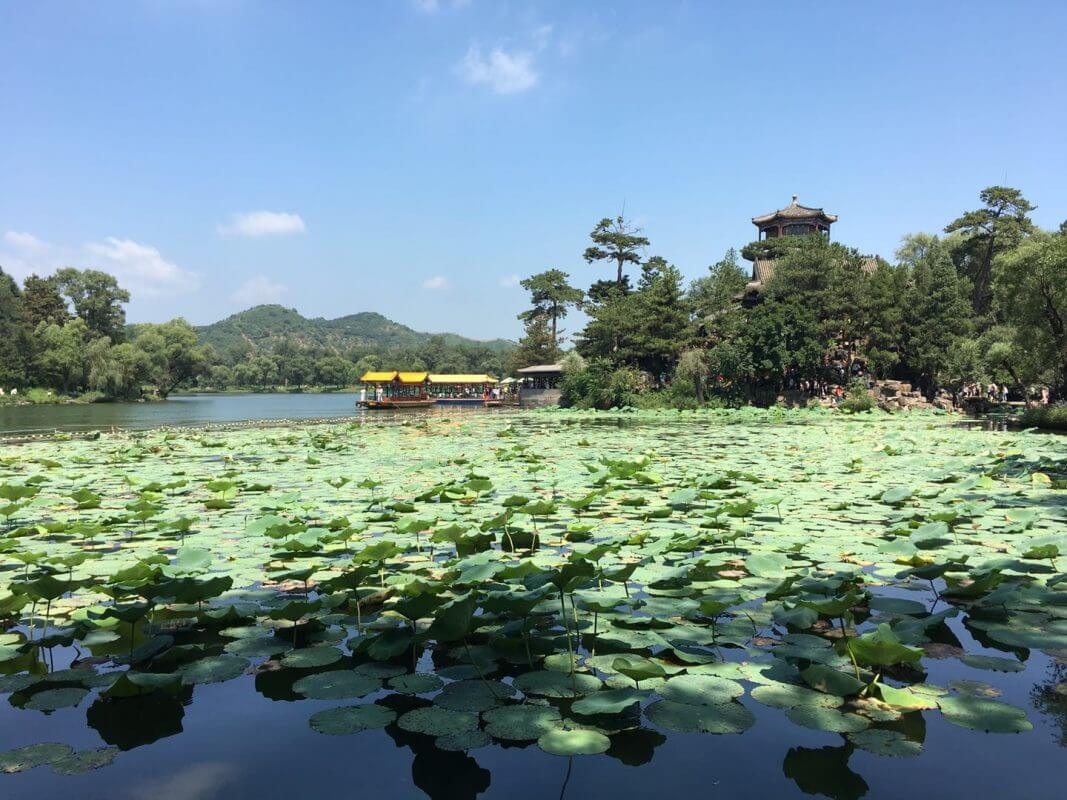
793 220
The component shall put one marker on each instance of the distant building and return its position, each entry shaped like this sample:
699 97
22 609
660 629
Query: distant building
539 385
793 220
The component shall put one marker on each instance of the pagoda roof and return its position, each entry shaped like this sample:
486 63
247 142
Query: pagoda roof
795 211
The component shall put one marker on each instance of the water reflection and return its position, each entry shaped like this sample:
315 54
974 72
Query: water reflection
136 721
824 771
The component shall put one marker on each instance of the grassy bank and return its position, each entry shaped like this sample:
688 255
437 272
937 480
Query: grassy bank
274 390
1052 417
39 397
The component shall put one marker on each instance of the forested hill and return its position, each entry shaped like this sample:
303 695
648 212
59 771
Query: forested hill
261 328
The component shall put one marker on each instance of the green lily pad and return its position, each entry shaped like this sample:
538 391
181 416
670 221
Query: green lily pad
351 719
54 699
474 695
831 720
993 663
981 714
435 721
463 741
380 669
556 684
788 695
259 647
416 683
520 723
884 742
311 657
84 761
609 701
701 690
686 718
35 755
574 742
213 669
336 685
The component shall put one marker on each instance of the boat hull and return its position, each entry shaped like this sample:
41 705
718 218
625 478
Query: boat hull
461 401
393 405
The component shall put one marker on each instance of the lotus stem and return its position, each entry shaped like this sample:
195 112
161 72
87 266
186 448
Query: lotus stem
526 639
478 668
570 644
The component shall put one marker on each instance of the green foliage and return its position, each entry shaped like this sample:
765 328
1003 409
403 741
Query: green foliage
538 344
1031 291
717 291
97 300
857 399
938 312
550 298
599 384
999 226
13 334
616 240
1052 417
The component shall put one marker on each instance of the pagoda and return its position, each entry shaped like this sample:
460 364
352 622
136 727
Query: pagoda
793 220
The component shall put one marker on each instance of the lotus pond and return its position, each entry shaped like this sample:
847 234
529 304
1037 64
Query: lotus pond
736 604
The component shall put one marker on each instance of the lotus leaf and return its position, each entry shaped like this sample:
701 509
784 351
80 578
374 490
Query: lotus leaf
573 742
336 685
521 722
435 721
687 718
351 719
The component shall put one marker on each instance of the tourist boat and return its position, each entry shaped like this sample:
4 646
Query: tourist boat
463 389
394 391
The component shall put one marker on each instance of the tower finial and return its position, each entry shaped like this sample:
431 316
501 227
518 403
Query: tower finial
794 199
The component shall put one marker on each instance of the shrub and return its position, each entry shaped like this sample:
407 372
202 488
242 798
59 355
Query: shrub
1054 417
856 399
598 385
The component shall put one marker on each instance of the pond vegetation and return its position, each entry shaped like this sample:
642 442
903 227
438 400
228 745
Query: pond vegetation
571 583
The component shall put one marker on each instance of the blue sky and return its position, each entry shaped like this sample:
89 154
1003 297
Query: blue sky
414 157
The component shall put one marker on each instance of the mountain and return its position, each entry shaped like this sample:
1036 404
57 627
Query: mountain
263 327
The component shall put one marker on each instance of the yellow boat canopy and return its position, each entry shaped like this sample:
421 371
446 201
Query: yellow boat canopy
377 377
468 379
390 377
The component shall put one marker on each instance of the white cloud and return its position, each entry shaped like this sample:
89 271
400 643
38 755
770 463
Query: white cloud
263 223
25 242
259 290
510 281
505 73
141 268
433 6
191 782
435 283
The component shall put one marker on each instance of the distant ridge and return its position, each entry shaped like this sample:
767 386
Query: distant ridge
263 327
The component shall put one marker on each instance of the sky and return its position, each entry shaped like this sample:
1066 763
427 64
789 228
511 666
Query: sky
418 157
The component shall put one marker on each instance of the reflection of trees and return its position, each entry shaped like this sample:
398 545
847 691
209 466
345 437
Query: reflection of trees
1050 698
636 746
130 722
825 771
441 774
